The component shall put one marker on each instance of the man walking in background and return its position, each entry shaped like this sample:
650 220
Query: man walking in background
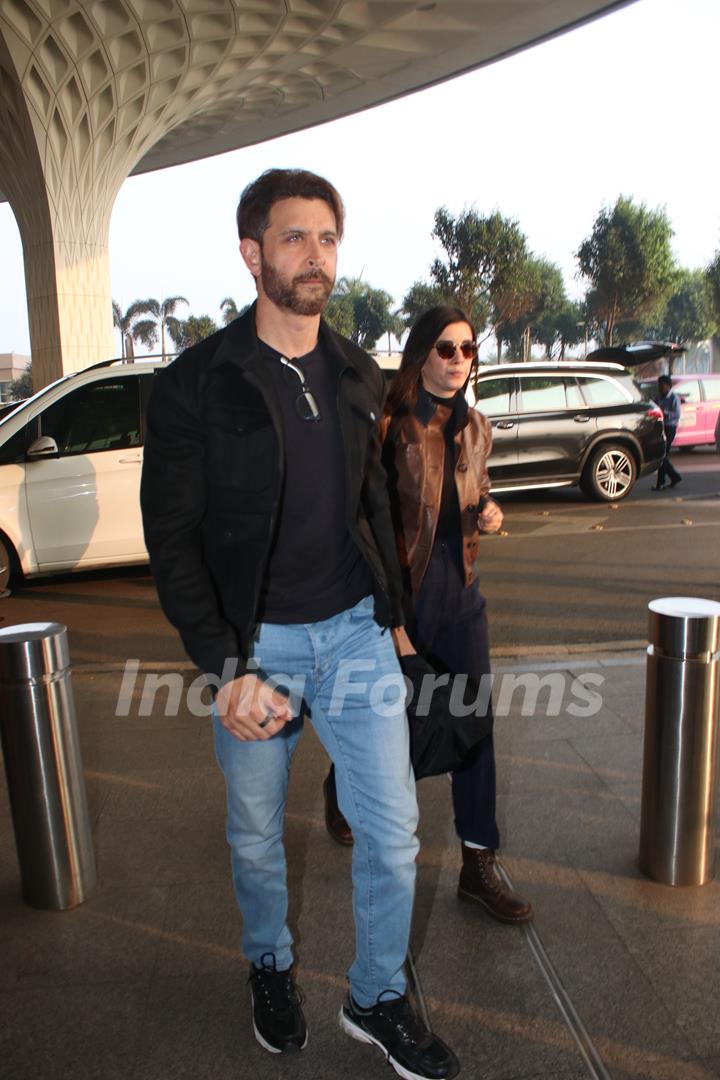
670 405
270 537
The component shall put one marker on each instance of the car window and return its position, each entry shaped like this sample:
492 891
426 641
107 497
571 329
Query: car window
688 390
600 391
711 388
12 452
493 396
104 415
573 394
542 393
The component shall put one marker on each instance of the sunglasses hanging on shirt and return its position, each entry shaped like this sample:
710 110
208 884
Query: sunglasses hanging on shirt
305 404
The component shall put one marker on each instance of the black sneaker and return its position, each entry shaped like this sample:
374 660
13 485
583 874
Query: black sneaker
393 1025
278 1020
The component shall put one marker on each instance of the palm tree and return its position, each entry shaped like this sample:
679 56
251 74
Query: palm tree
230 309
162 318
124 325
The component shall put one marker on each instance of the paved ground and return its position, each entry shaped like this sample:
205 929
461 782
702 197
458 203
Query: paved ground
617 976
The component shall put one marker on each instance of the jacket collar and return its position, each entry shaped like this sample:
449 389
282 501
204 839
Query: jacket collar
240 344
426 406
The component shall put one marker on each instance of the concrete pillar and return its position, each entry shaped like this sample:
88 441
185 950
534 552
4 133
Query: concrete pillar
49 171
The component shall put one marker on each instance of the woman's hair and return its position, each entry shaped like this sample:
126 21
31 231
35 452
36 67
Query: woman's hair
402 396
259 197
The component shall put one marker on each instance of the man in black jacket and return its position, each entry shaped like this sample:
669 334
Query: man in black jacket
270 537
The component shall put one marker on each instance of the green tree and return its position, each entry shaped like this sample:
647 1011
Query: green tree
569 325
162 320
688 314
554 317
340 314
485 267
187 332
127 324
22 387
629 263
230 310
713 276
418 299
372 314
538 295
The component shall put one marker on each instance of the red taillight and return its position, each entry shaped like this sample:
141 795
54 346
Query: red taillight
655 413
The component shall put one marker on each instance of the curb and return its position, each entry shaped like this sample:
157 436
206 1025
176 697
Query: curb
503 652
581 648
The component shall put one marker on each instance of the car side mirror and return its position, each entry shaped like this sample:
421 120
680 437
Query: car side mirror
44 447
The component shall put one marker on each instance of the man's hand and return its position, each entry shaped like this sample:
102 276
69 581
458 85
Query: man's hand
403 644
251 710
491 517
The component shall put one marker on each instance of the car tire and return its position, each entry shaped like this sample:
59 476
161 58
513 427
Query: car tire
8 566
610 473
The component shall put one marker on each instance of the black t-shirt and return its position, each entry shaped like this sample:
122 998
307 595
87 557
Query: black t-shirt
315 569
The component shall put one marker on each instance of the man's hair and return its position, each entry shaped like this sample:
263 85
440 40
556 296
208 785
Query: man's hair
665 380
259 197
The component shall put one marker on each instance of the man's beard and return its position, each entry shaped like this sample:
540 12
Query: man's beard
286 294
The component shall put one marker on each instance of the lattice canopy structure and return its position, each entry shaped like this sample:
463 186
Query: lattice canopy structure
93 90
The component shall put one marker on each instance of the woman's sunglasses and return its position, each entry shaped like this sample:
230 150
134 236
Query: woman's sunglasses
446 349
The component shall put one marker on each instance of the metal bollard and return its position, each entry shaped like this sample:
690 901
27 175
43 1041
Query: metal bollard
679 784
44 767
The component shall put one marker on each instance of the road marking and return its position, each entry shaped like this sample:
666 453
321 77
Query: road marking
573 1021
580 1034
545 530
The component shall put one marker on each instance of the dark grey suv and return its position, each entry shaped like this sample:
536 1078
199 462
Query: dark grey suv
561 423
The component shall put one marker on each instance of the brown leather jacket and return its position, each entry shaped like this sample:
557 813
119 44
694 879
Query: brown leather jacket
414 456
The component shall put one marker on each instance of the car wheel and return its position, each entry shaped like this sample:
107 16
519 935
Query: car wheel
610 473
6 567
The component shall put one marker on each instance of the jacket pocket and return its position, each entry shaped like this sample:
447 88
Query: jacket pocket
241 449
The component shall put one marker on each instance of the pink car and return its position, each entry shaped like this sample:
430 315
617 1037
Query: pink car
700 413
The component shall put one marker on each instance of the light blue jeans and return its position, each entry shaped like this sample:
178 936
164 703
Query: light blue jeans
344 674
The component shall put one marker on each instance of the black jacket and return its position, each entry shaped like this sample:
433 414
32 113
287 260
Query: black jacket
212 482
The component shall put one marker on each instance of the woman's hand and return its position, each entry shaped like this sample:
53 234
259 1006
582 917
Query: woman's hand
490 518
403 644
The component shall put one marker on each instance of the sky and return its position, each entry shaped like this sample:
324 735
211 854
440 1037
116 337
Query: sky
626 105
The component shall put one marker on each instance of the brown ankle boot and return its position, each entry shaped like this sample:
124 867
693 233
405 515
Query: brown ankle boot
335 823
480 883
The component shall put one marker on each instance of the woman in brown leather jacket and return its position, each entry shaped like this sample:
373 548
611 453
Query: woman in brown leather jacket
435 453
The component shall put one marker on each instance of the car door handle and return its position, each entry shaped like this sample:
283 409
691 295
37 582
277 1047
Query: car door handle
135 460
505 425
581 418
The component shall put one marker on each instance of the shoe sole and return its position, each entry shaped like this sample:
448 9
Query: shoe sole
291 1048
356 1032
518 920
